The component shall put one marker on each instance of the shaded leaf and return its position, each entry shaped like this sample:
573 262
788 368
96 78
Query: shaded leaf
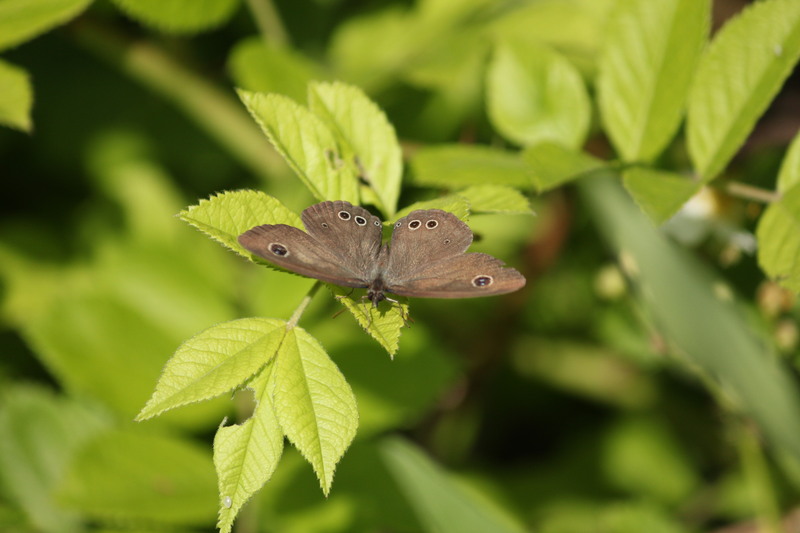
21 20
179 16
645 70
552 164
464 165
743 69
778 237
789 175
659 194
215 361
453 203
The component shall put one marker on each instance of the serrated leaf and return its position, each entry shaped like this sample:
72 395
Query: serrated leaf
21 20
314 404
306 143
179 16
778 237
461 165
215 361
261 66
659 194
41 433
132 475
246 455
743 69
495 199
16 97
439 502
552 164
368 140
225 216
453 203
535 95
383 324
789 175
645 69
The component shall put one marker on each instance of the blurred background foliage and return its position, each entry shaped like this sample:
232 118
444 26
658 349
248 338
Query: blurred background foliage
562 408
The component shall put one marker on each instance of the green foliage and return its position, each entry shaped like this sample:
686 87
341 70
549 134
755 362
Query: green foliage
657 392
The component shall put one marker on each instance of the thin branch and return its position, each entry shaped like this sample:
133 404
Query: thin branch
302 307
748 192
268 21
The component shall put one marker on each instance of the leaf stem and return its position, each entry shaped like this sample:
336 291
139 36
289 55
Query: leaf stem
269 22
210 107
748 192
302 307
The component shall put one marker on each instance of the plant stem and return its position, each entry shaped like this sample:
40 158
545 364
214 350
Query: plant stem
302 307
758 478
213 109
748 192
268 21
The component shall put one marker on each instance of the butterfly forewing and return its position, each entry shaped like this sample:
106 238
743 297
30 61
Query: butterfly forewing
297 251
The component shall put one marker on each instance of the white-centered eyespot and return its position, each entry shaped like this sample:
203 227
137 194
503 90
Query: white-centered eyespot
361 221
324 224
377 223
482 280
278 249
431 224
397 224
344 215
414 224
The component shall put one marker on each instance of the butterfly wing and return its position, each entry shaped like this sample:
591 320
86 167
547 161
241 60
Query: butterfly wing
460 276
427 259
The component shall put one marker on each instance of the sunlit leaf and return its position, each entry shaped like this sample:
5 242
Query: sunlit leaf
368 139
21 20
215 361
452 203
16 97
743 69
495 199
535 95
314 404
779 239
645 69
789 175
307 144
382 323
179 16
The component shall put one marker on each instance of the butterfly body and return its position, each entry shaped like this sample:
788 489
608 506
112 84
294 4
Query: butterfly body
342 245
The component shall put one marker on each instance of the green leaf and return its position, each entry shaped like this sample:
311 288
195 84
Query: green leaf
314 404
659 194
534 95
16 97
552 164
215 361
383 324
742 71
225 216
131 475
41 433
778 236
368 140
495 199
645 69
461 165
789 175
261 66
441 504
453 203
21 20
246 455
680 294
307 144
179 16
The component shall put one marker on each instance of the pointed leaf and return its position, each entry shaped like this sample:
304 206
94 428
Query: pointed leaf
215 361
179 16
246 455
778 237
383 324
552 164
306 143
126 475
227 215
16 97
440 503
534 95
743 69
659 194
21 20
495 199
461 165
314 404
645 70
368 140
789 175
